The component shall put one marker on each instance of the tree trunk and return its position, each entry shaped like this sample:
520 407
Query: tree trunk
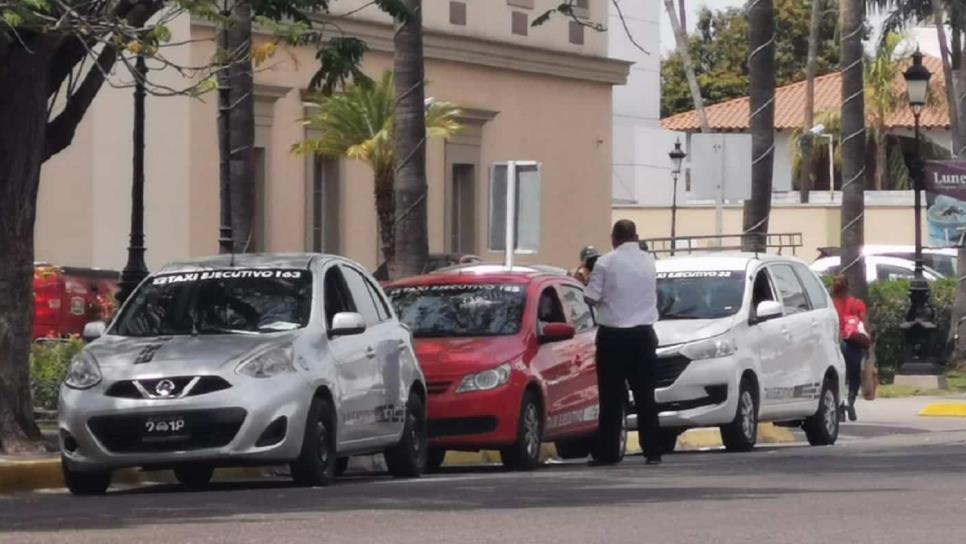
386 214
806 179
21 154
949 77
881 157
957 112
761 79
411 237
242 128
681 40
853 147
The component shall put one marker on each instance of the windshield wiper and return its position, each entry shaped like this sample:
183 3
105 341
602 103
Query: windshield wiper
681 316
208 329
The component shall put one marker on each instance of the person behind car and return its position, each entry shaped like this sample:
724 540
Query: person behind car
623 286
588 256
848 306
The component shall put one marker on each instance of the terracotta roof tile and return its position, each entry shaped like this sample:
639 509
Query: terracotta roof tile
732 116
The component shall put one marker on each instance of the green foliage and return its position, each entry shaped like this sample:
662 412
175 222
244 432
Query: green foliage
49 361
719 49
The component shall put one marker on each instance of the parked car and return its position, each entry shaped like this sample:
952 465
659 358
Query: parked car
241 360
877 268
509 360
434 262
743 339
943 261
67 298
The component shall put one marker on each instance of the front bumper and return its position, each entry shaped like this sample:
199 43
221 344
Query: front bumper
704 394
475 420
99 432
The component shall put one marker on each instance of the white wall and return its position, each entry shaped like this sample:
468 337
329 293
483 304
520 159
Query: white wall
641 171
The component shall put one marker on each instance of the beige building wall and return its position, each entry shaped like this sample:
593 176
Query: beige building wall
819 225
520 102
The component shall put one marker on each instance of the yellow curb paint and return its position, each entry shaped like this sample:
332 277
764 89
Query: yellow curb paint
944 409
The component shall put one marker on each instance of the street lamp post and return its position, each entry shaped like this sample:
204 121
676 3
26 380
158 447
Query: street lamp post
135 270
919 326
677 156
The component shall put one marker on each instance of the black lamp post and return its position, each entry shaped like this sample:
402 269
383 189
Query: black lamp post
920 325
135 270
677 156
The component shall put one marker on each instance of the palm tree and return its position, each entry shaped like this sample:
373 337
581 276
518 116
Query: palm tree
761 79
885 96
241 123
359 124
811 66
853 146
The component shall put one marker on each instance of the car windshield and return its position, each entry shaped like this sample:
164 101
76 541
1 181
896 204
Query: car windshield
435 311
699 294
219 302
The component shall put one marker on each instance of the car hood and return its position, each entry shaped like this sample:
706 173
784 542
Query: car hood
177 355
454 357
680 331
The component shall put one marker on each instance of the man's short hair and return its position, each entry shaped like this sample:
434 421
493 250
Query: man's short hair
624 231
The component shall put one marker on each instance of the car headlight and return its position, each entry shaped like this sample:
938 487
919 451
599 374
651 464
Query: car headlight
711 348
486 380
83 372
271 362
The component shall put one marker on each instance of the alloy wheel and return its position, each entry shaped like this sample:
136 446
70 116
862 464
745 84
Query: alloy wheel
748 415
531 430
830 415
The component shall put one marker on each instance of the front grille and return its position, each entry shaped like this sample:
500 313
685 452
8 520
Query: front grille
668 369
438 387
203 429
180 387
461 426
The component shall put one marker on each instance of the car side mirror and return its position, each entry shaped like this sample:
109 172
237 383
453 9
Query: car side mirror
767 309
94 330
557 332
348 324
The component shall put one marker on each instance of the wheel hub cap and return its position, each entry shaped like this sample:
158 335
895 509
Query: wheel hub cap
531 429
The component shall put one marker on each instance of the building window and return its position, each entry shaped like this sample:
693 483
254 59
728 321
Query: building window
576 33
582 9
519 23
526 202
457 13
258 241
462 204
325 205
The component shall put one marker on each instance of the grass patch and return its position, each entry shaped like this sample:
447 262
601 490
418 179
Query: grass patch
956 383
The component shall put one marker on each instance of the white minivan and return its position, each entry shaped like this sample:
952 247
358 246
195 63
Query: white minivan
745 338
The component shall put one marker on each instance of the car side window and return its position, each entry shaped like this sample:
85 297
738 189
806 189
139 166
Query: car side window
579 311
549 309
361 295
336 297
817 294
888 272
793 296
762 290
382 307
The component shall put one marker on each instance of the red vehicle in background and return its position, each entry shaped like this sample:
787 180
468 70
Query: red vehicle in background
66 299
509 360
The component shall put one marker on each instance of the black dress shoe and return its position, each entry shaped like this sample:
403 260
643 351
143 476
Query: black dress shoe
653 461
852 414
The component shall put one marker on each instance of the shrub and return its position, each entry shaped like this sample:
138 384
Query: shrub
49 360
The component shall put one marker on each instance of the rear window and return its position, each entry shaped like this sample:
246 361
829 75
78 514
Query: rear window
434 311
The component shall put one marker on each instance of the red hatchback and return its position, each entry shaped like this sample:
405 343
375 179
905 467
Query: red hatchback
508 358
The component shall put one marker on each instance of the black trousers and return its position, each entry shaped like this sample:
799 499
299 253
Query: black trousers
627 357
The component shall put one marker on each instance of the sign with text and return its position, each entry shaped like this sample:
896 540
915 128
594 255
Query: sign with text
945 186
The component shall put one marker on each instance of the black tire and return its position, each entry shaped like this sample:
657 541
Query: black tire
434 460
86 483
341 466
742 433
317 461
601 454
524 454
822 428
194 476
407 459
669 439
574 448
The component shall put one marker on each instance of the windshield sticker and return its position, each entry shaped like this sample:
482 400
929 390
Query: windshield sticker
696 274
458 288
263 274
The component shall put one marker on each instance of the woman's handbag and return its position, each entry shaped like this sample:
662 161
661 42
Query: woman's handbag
854 332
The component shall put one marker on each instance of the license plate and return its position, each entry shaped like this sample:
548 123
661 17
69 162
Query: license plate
159 427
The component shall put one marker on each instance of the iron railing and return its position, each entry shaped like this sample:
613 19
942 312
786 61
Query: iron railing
759 243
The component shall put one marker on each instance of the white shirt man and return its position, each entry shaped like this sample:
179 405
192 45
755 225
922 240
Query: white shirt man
623 287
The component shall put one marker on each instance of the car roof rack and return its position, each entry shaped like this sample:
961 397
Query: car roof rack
688 245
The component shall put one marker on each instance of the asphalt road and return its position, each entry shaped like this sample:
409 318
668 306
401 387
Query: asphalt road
878 485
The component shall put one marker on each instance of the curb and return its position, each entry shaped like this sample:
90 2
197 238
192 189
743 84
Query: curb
944 409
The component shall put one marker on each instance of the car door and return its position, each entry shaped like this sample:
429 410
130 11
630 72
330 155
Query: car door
768 341
796 327
554 362
353 369
825 335
585 392
381 354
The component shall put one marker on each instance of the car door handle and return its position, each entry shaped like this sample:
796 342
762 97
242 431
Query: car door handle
370 353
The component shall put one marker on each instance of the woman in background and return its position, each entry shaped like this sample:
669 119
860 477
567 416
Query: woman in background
848 307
